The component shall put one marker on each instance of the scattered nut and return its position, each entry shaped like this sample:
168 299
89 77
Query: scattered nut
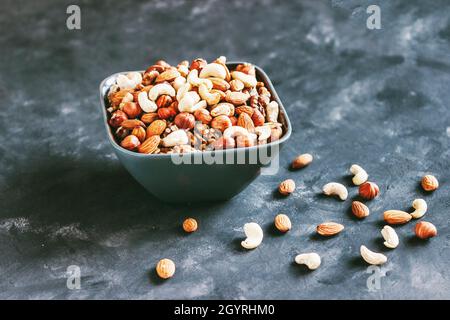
329 228
286 187
421 208
372 257
165 268
425 230
430 183
369 190
334 188
254 235
190 225
390 237
360 210
311 260
283 223
361 175
302 161
396 217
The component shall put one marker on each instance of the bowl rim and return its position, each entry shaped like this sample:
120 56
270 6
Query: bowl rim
265 79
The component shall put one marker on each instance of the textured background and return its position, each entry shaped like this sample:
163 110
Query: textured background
377 98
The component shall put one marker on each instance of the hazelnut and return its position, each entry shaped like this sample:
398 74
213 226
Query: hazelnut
425 230
198 64
166 113
163 64
190 225
139 132
369 190
130 142
286 187
156 67
163 101
121 132
165 268
149 77
185 120
430 183
203 116
117 118
132 109
302 161
221 123
283 223
359 209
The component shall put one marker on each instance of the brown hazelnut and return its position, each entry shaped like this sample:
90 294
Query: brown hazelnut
429 183
369 190
117 118
221 123
130 142
132 109
286 187
198 64
203 116
163 101
185 120
190 225
166 113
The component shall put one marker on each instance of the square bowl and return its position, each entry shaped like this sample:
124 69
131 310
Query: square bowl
199 176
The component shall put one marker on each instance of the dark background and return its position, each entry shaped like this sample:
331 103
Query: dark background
378 98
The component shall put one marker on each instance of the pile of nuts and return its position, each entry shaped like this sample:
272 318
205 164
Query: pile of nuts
195 106
367 191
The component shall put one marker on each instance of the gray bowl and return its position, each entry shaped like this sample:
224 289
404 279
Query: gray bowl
200 176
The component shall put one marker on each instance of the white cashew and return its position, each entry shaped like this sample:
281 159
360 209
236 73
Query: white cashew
249 81
159 89
272 110
183 70
234 131
175 138
334 188
421 207
311 260
390 237
189 100
372 257
178 82
224 109
361 175
129 81
128 97
210 98
145 103
182 90
263 132
195 81
213 70
254 235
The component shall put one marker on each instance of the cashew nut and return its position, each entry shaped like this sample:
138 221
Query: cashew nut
213 70
224 109
421 207
159 89
254 235
145 103
372 257
390 237
361 175
249 81
183 70
195 81
334 188
182 90
235 131
311 260
175 138
129 81
263 132
209 97
178 82
272 110
189 100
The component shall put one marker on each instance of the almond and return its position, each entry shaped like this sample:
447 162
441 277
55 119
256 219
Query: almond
149 145
236 98
283 223
246 122
246 109
396 217
425 230
329 228
360 210
131 124
258 118
168 75
139 132
302 161
156 128
220 84
286 187
148 118
130 142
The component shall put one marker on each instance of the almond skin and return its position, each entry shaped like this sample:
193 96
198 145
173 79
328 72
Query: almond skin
302 161
329 228
286 187
360 210
246 122
282 223
149 145
369 190
425 230
131 124
190 225
156 128
396 217
165 268
429 183
148 118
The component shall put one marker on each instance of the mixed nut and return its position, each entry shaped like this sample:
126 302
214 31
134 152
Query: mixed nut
189 107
